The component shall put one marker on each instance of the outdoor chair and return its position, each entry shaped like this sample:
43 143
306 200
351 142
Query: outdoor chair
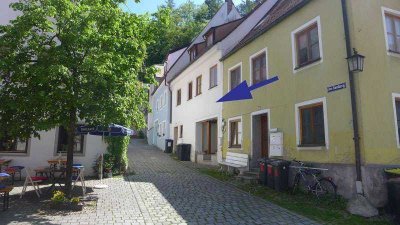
34 181
79 169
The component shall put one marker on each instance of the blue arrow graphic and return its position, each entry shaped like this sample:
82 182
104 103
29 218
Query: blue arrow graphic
243 91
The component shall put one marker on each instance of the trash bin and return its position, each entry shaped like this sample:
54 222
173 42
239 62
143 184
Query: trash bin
263 171
270 174
393 186
183 152
281 174
169 145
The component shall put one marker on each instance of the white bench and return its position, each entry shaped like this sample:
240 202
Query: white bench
236 160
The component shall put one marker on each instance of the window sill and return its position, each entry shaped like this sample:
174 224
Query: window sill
393 53
311 147
14 153
75 154
198 94
307 65
213 87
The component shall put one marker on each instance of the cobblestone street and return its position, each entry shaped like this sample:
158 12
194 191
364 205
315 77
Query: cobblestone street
161 191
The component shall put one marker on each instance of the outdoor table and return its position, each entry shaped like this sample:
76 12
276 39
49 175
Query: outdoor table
5 191
4 162
53 162
56 179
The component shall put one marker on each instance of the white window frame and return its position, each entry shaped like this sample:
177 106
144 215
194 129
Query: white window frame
396 126
297 120
229 74
229 132
266 63
396 13
294 44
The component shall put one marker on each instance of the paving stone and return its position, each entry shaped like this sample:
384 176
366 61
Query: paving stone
161 191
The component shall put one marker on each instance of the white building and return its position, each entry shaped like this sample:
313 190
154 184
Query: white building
196 83
35 152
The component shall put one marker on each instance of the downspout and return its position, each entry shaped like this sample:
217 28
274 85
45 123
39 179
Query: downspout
356 134
169 89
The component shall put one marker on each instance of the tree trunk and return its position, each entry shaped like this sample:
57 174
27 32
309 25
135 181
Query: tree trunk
70 152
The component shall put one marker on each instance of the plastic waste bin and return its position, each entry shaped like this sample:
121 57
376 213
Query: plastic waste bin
263 171
270 174
281 174
393 186
183 152
169 145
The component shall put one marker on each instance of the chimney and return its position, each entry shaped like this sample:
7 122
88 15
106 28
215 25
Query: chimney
229 6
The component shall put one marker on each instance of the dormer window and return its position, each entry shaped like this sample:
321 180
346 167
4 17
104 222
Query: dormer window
210 39
193 53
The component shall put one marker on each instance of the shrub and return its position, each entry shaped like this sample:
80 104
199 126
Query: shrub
58 197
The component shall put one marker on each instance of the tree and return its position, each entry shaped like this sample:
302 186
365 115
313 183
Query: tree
213 7
247 5
174 28
66 61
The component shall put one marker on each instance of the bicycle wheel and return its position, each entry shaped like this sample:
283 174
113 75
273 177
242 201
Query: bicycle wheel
299 185
325 188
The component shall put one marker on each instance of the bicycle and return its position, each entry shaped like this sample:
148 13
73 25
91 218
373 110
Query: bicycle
319 186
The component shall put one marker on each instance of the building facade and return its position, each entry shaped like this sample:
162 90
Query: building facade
195 84
303 43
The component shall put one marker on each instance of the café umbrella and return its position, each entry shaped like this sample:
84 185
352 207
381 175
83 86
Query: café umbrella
112 130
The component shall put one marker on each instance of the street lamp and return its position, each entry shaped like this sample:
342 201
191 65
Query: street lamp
356 62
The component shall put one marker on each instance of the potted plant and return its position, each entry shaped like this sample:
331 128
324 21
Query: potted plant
392 173
108 165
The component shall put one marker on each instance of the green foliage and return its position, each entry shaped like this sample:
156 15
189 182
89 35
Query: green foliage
58 197
66 61
247 5
75 200
176 27
117 158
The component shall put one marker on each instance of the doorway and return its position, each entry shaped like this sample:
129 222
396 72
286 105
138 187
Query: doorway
209 137
175 138
260 137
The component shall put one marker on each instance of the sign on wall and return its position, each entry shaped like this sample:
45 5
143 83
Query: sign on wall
336 87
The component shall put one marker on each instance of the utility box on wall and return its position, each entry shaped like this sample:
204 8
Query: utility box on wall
276 144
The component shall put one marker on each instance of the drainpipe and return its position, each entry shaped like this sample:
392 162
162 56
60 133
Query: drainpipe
356 134
169 89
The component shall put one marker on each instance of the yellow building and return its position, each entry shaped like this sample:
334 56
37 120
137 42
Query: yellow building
303 42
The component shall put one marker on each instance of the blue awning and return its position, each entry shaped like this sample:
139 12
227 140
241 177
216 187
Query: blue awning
112 130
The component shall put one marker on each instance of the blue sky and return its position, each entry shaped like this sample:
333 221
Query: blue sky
151 5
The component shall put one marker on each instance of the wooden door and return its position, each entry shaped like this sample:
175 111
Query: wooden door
264 136
175 137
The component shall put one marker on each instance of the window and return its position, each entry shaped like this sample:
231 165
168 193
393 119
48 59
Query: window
210 40
63 141
198 85
12 145
396 108
178 97
213 76
307 46
393 32
259 68
181 131
193 53
312 130
235 133
190 91
235 77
